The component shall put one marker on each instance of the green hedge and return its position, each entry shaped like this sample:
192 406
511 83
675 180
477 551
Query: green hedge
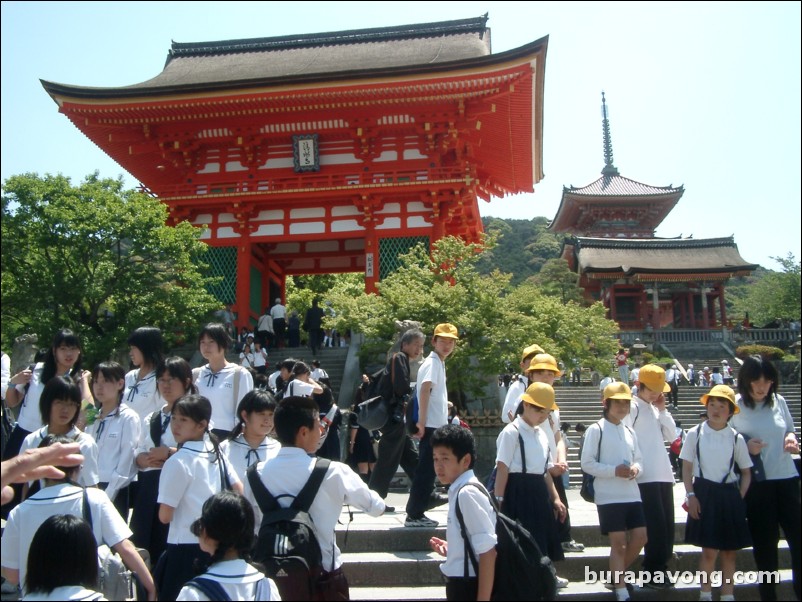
765 351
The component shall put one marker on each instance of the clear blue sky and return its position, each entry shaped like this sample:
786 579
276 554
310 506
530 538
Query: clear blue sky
704 94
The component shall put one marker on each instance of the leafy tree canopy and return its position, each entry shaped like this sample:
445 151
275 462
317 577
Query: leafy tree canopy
769 297
495 320
99 260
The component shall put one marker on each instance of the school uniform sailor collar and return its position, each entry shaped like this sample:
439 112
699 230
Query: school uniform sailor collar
199 447
252 455
234 571
211 377
134 390
73 433
53 492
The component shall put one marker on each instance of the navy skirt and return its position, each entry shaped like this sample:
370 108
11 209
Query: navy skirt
526 499
178 564
149 532
722 523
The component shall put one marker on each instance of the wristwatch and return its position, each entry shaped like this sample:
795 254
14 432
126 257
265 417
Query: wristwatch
689 494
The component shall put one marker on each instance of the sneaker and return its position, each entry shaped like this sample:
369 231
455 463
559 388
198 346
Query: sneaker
572 546
435 500
421 521
562 582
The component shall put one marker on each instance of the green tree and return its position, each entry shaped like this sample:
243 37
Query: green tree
97 259
557 280
774 296
495 319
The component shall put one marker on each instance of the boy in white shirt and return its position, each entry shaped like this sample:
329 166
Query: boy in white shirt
454 453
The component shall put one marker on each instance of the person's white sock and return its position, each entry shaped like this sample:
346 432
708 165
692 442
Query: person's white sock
621 593
706 596
727 597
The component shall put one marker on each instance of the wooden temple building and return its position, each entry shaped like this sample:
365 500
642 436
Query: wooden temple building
324 153
645 282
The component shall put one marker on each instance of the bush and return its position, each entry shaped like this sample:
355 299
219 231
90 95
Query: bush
765 351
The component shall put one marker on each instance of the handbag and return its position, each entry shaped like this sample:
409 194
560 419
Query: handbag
372 414
587 492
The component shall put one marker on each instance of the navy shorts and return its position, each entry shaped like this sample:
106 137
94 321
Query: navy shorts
620 517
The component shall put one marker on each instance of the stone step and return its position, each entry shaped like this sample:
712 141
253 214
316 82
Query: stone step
397 568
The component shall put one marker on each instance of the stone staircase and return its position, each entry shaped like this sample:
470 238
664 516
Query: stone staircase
384 560
583 404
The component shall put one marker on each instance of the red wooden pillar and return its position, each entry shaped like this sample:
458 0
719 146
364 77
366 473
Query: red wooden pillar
242 306
722 305
372 259
643 313
612 303
691 313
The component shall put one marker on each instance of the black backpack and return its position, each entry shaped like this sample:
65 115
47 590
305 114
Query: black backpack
286 544
523 572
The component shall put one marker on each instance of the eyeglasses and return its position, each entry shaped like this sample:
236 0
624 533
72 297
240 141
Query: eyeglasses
168 380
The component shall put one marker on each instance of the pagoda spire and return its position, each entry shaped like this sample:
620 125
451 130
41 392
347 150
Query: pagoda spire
609 168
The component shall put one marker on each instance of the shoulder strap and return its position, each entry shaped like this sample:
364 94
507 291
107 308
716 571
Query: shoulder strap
210 588
86 510
303 500
469 553
156 428
523 450
264 499
307 494
601 434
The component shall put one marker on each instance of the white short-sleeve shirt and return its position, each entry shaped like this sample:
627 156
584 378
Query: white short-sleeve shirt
653 429
142 396
536 447
716 450
219 388
619 445
190 477
117 436
24 520
146 442
299 388
89 474
433 370
480 525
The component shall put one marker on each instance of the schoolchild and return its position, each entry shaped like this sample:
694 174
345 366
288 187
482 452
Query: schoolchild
518 385
63 358
454 453
259 358
225 531
543 369
298 429
432 393
250 442
59 405
247 358
715 498
116 430
63 496
156 444
145 349
62 561
301 382
715 377
526 492
331 418
654 426
224 384
189 477
612 455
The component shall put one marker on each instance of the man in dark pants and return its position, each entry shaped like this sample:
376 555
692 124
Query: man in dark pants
432 414
395 446
654 426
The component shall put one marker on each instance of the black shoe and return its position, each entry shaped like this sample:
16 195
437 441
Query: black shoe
388 509
436 500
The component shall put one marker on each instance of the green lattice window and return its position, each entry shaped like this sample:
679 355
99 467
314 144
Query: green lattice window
391 248
223 263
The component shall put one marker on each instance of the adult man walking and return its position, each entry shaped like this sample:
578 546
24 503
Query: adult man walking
279 314
432 414
395 446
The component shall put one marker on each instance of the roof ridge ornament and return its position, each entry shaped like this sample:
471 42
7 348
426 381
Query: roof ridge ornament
609 168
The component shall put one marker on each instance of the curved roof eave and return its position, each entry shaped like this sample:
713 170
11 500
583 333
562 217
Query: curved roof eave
94 93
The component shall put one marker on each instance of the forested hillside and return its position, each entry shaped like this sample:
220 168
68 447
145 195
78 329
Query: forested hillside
522 246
